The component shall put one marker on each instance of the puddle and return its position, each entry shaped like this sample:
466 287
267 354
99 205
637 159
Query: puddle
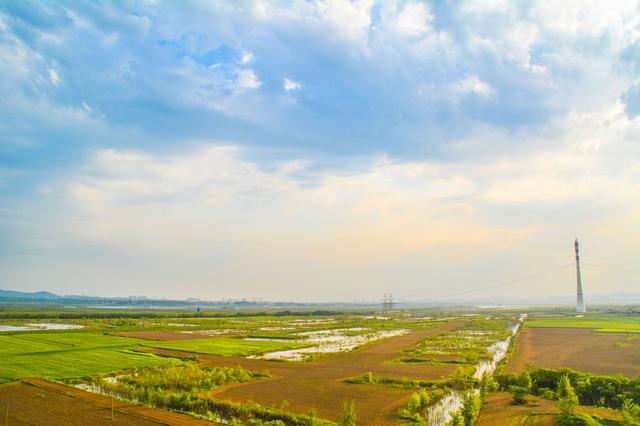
40 326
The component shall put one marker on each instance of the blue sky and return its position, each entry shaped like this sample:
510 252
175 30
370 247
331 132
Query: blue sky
314 149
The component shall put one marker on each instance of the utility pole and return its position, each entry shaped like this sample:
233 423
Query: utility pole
580 297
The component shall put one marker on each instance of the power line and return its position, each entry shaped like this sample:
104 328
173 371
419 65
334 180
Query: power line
617 268
505 283
551 263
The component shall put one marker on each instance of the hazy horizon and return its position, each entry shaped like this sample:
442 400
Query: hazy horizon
319 150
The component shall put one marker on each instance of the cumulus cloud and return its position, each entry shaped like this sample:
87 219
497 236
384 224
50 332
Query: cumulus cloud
425 130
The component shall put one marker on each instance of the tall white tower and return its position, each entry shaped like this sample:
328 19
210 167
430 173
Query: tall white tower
580 298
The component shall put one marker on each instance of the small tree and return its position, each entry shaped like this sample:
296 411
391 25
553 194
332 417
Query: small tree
519 395
567 398
471 405
348 413
487 385
525 381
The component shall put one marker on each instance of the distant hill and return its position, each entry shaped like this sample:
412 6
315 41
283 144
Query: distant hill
26 295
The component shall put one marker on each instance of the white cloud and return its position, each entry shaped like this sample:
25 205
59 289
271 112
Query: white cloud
288 85
413 20
473 84
53 76
246 58
247 79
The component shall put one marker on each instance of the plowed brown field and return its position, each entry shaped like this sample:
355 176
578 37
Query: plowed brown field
497 410
577 348
320 384
37 402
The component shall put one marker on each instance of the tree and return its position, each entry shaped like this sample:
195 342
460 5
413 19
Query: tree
525 381
567 398
487 385
348 413
471 405
519 395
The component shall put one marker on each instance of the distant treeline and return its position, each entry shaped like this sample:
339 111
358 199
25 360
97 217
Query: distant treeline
139 315
591 389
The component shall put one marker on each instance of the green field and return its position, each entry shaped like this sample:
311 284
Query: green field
223 346
599 322
69 355
72 355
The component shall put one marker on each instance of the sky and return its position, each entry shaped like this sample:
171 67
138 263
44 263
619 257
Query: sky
323 150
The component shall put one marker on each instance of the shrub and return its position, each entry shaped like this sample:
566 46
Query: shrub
518 394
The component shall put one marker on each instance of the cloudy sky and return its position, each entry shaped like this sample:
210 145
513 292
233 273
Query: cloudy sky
319 150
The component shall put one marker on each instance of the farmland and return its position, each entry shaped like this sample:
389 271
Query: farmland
402 369
498 410
580 349
603 344
39 402
68 355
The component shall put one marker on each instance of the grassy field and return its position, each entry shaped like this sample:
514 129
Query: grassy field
69 355
599 322
222 346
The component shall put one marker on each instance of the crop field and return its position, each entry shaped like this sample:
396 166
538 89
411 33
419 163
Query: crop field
602 345
602 323
68 355
394 370
321 384
324 384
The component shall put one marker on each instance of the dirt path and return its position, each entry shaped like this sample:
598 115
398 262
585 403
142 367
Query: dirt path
578 348
38 402
320 384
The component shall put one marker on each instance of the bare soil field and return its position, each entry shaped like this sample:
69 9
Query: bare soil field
498 410
580 349
37 402
160 335
320 384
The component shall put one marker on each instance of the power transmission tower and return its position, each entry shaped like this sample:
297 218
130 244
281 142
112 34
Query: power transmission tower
579 297
387 304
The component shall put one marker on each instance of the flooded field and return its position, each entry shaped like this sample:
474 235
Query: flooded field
40 326
326 341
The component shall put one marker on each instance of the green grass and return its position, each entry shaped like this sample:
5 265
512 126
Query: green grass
223 346
602 323
69 355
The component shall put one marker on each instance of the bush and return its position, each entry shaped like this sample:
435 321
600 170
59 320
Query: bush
577 419
519 395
